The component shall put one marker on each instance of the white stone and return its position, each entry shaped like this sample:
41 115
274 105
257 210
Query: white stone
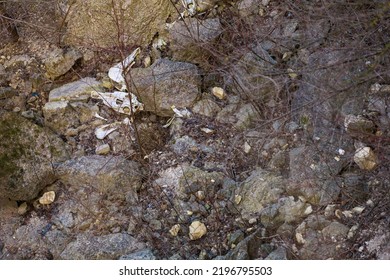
102 149
247 148
218 92
200 195
365 158
47 198
175 230
197 230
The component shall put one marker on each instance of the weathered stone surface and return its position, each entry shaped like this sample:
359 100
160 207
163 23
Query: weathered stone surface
259 190
241 115
206 107
60 61
94 22
286 210
189 37
145 254
27 155
358 125
111 175
111 246
75 91
166 83
320 238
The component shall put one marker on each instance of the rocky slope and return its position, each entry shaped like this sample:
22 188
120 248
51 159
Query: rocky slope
263 131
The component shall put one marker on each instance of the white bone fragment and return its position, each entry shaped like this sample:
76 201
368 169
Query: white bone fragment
119 101
100 117
183 113
190 6
117 72
102 131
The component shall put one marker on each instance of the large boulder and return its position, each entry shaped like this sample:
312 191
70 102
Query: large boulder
110 246
191 38
259 190
166 83
28 153
113 176
95 22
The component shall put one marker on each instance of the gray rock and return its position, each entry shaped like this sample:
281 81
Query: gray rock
186 180
236 237
166 83
60 116
88 23
259 190
184 144
248 7
206 107
279 254
247 249
75 91
27 155
313 174
286 210
189 37
111 246
249 76
111 175
59 61
321 239
241 115
145 254
358 125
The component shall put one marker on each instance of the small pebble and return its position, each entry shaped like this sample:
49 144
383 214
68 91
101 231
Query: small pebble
197 230
175 230
218 92
103 149
47 198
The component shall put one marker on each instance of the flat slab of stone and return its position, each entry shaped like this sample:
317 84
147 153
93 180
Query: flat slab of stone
76 91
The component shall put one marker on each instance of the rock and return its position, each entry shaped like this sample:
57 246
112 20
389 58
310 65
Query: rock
166 83
111 246
248 77
358 125
236 237
279 254
247 249
259 190
47 198
248 7
218 92
59 62
113 176
189 37
174 231
197 230
312 174
206 107
365 158
247 147
27 156
242 116
145 254
22 209
321 239
60 116
102 149
75 91
184 144
287 210
88 23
